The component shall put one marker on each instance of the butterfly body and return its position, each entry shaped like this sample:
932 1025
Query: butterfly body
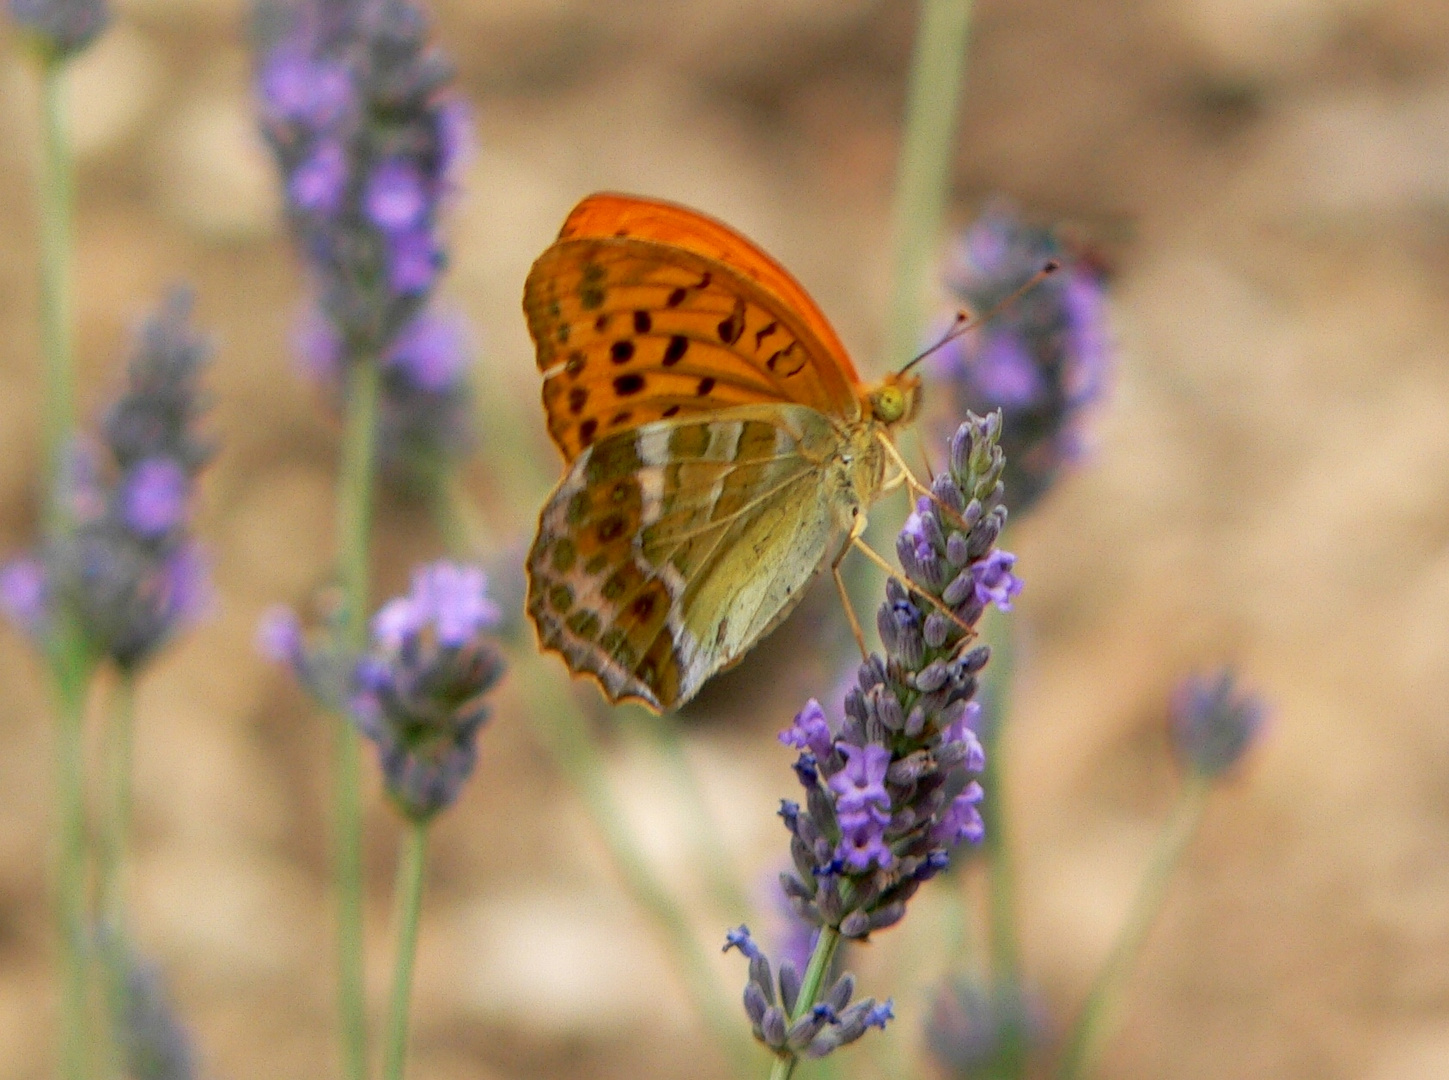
720 447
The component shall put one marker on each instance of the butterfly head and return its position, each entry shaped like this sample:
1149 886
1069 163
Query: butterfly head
896 400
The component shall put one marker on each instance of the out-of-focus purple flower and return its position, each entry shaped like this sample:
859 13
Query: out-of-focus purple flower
279 635
24 594
153 1041
1214 723
319 183
1042 360
396 198
431 353
425 411
420 689
975 1030
125 568
63 27
357 108
293 86
154 498
368 135
890 788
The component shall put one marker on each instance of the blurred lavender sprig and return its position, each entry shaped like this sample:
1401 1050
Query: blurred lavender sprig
891 789
1042 360
417 692
153 1042
1214 723
128 570
358 110
979 1030
425 402
61 27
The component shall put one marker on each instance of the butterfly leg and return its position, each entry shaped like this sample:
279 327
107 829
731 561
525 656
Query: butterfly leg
855 533
905 476
871 554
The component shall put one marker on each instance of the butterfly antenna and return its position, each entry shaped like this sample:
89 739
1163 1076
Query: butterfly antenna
964 320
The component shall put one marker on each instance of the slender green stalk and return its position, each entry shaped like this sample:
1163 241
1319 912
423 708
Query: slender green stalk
72 676
354 522
408 908
115 833
1089 1035
810 985
69 665
562 728
56 189
115 829
924 177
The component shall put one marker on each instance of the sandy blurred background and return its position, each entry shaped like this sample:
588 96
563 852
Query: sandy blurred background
1270 180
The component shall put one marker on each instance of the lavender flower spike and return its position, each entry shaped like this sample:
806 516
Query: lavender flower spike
61 27
129 570
419 691
1042 360
1213 724
891 790
357 108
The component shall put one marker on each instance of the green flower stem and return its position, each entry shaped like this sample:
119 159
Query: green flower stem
70 666
117 756
115 834
1089 1035
562 729
810 986
923 179
354 522
71 673
56 189
408 901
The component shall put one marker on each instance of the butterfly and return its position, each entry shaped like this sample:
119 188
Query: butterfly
719 446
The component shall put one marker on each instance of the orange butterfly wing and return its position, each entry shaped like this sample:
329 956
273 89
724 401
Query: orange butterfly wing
644 310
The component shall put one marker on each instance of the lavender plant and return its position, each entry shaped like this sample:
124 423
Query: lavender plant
1212 725
61 28
974 1028
891 789
128 570
418 694
356 106
124 575
1042 359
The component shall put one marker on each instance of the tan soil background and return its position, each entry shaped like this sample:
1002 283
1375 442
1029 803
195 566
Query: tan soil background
1270 180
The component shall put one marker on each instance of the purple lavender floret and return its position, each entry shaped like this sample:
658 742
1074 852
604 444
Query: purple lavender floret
891 789
1042 360
1214 723
831 1023
61 27
368 134
418 691
127 568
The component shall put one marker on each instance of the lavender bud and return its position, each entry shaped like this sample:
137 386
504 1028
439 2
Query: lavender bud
756 1003
789 984
773 1028
1213 724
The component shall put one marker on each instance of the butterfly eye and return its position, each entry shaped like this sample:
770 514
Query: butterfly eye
889 404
